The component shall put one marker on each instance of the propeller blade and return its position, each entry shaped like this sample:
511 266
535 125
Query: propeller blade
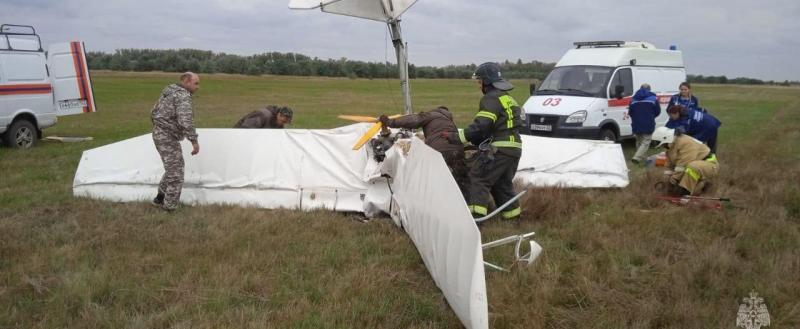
364 138
358 118
361 118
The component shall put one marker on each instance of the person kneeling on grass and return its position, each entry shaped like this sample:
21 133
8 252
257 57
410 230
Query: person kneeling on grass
270 117
692 164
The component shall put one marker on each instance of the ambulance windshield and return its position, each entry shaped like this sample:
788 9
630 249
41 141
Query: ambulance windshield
587 81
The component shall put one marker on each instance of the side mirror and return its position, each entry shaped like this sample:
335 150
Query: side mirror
532 88
618 90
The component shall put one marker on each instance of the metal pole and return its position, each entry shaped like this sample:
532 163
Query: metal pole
478 220
402 62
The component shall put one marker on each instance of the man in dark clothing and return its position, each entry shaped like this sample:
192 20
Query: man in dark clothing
436 125
270 117
701 125
495 130
643 111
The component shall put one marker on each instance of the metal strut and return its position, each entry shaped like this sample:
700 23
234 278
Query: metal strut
499 209
527 259
402 62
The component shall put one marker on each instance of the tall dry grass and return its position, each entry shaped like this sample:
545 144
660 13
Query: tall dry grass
613 258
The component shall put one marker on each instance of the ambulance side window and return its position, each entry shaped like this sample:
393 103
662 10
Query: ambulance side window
622 78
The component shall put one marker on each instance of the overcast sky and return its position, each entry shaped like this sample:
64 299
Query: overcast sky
759 39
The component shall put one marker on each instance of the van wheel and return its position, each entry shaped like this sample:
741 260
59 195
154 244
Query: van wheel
21 135
608 134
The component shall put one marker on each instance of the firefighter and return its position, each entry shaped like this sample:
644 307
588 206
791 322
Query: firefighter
270 117
436 125
692 164
495 130
173 120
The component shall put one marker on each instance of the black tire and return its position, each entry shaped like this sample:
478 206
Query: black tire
21 134
608 134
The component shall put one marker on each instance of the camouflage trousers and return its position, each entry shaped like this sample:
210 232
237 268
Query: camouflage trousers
172 157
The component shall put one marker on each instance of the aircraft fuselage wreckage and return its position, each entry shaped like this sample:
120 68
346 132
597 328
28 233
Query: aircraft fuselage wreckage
309 169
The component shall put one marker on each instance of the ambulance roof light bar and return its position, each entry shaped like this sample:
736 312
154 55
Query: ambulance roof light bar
598 44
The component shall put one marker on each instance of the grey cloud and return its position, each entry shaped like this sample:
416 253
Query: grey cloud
735 37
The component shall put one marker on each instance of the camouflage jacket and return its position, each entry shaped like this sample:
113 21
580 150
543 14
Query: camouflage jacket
262 118
433 124
172 115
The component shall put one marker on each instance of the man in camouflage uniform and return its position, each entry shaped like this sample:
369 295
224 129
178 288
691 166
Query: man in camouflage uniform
436 125
270 117
172 122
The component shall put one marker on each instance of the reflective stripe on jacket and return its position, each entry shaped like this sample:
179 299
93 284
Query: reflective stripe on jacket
499 117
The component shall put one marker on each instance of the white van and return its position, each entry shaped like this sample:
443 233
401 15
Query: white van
588 92
36 87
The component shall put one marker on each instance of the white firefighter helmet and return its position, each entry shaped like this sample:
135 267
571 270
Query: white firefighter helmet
663 135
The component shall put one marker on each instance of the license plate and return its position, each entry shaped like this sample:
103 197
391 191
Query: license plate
71 104
541 127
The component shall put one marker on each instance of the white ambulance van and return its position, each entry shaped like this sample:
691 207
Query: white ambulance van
36 87
588 92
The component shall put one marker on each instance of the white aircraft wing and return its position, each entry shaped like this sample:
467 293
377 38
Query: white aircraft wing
379 10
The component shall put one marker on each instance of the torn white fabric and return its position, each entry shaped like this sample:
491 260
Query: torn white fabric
379 10
571 163
301 169
429 206
310 169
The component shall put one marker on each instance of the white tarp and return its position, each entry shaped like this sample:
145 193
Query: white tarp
379 10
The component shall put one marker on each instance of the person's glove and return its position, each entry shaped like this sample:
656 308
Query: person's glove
384 120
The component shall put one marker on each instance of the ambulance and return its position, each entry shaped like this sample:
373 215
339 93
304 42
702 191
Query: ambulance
38 86
588 92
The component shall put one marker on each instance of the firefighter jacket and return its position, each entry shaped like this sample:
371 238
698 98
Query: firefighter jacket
172 115
692 162
683 150
262 118
436 125
499 118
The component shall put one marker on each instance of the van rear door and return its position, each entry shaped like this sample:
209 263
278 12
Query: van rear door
72 85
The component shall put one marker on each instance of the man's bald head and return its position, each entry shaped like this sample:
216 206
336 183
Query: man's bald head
190 81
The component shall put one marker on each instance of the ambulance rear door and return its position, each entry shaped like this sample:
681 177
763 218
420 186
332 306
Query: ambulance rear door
69 73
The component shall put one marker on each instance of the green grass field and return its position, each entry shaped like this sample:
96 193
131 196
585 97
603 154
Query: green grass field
612 258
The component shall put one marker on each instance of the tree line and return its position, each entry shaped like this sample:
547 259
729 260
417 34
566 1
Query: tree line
721 79
276 63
